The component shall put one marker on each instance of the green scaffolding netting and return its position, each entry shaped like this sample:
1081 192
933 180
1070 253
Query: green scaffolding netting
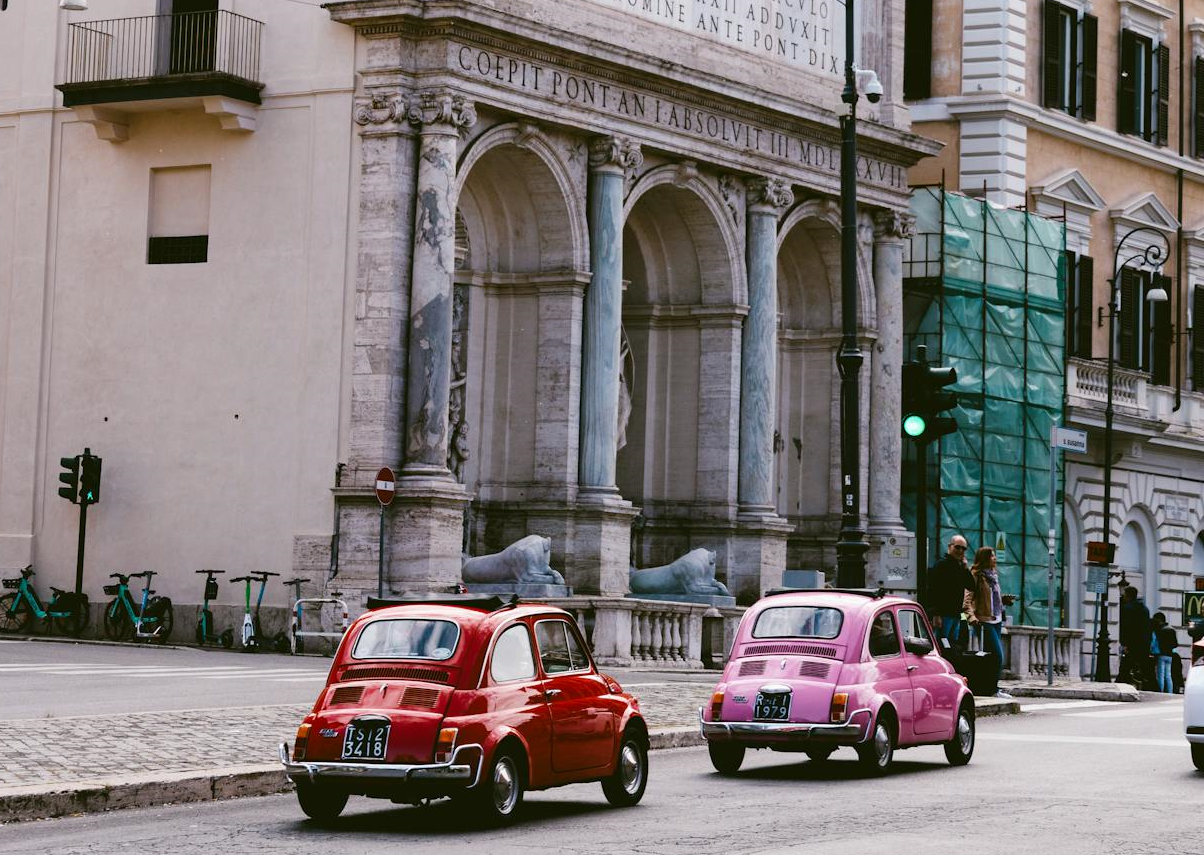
984 290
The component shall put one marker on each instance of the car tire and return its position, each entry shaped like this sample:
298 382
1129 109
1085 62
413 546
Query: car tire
726 757
878 752
499 795
960 748
1197 755
626 786
320 804
819 755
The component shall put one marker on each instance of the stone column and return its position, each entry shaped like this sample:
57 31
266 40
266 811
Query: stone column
428 522
758 556
603 519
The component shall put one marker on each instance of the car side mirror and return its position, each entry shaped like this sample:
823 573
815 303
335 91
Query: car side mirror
917 646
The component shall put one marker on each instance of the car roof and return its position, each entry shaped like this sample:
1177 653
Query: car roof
847 601
463 614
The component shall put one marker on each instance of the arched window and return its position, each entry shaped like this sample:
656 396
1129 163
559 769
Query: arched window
1197 556
1131 553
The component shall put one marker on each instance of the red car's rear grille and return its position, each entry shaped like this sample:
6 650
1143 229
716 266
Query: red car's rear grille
814 669
752 668
395 672
347 695
416 697
805 649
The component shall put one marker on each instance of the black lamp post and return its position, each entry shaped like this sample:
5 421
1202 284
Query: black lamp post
851 547
1151 257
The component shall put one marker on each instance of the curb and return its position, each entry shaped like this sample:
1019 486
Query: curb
1125 694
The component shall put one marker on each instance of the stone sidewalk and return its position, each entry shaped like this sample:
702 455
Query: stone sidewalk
64 765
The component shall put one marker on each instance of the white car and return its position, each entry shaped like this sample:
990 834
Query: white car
1193 702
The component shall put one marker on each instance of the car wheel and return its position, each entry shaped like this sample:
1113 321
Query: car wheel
725 757
1197 755
626 786
878 751
960 748
321 804
819 755
498 796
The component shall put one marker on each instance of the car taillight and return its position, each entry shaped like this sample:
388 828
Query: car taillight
840 704
445 743
717 705
302 739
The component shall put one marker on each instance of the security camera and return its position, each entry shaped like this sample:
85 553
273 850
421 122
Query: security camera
867 80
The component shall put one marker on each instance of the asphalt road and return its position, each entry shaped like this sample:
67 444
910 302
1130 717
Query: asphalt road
1069 777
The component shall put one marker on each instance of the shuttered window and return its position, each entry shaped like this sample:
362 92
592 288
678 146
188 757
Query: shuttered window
1159 346
1144 87
1197 338
1130 319
1069 48
1198 112
1079 304
917 50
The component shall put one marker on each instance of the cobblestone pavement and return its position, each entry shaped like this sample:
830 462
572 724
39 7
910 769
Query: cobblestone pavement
71 750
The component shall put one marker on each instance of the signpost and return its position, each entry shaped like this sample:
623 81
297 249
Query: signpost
386 489
1066 439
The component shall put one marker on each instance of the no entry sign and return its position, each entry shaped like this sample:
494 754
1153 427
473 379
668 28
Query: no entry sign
386 487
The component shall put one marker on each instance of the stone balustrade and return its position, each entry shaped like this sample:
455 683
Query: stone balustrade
1088 379
1026 652
628 632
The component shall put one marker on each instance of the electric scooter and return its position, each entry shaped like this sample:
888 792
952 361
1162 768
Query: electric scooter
205 632
252 634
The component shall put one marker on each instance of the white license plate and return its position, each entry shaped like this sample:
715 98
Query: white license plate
366 741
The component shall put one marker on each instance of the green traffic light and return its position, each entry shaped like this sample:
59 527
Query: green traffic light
913 424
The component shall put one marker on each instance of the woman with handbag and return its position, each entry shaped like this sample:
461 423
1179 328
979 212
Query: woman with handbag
984 606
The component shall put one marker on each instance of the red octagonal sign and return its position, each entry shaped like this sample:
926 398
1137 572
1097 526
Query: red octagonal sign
386 486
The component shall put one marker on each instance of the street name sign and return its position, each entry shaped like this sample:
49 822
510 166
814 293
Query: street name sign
1070 439
386 486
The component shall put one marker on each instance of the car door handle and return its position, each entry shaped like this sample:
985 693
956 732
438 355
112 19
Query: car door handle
550 693
912 667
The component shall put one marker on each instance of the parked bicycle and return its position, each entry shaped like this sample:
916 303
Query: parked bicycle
151 617
206 633
252 631
296 633
67 612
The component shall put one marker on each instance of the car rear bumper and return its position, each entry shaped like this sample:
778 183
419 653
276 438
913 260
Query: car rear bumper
850 732
456 773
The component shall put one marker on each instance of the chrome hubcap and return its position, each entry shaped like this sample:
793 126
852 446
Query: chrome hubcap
882 744
505 786
631 769
965 734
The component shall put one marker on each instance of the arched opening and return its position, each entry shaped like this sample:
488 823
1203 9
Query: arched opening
678 271
807 417
1197 556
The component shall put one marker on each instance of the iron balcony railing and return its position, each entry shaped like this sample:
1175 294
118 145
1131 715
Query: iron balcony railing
164 46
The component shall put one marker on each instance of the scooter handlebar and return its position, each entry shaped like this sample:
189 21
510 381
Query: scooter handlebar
211 572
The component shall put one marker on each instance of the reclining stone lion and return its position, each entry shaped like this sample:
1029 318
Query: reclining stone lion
693 573
525 561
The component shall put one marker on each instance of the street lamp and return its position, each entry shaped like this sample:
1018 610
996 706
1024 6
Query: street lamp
851 547
1151 257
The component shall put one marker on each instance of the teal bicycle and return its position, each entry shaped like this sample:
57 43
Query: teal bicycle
124 619
67 612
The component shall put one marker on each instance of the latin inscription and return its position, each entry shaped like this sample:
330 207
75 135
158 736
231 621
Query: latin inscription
563 86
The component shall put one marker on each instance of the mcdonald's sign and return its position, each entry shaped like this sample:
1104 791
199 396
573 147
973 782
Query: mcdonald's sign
1193 606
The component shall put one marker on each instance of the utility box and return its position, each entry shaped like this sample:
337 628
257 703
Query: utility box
895 569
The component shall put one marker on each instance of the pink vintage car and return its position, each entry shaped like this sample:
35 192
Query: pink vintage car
811 671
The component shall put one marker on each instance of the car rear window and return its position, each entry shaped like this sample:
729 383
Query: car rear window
798 622
407 638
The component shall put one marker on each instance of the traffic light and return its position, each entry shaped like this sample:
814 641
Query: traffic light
924 399
70 478
89 490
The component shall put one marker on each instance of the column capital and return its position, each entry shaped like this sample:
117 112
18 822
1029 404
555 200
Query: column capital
769 195
898 225
439 111
380 112
615 154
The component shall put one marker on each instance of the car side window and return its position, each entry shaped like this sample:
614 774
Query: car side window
884 637
556 647
512 658
912 625
576 651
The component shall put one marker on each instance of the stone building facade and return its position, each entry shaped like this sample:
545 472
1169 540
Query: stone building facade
583 282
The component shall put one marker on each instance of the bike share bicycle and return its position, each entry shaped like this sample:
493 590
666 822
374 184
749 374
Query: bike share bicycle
252 631
123 619
205 632
68 613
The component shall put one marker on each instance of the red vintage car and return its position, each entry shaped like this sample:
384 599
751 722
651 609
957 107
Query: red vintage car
466 696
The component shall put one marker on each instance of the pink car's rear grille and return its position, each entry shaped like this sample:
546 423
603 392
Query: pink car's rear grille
347 695
416 697
814 669
805 649
752 667
396 673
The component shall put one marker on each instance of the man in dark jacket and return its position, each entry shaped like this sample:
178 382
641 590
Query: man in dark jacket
948 581
1134 638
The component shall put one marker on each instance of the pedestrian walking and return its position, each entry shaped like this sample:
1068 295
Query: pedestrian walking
984 605
1163 641
948 581
1134 638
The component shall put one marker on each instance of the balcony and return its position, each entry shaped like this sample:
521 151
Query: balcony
206 60
1141 409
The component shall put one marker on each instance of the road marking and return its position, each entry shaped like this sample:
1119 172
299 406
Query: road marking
1079 740
1159 709
281 672
1064 705
309 679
